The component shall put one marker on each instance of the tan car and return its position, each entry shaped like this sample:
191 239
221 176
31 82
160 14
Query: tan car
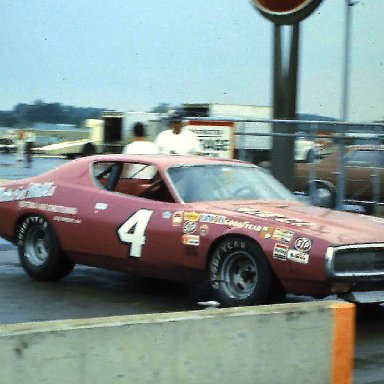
364 174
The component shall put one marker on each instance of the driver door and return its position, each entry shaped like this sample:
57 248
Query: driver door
126 230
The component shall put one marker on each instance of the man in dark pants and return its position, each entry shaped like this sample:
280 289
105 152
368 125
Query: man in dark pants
29 141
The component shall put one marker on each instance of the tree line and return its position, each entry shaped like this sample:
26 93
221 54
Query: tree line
25 115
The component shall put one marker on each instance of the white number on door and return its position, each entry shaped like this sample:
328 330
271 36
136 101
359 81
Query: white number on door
133 231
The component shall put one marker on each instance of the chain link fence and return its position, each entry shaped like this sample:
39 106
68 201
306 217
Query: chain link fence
341 161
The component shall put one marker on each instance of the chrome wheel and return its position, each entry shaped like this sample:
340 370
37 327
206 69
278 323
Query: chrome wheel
239 272
37 246
39 250
239 275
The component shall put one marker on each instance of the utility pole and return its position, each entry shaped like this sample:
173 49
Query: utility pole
285 79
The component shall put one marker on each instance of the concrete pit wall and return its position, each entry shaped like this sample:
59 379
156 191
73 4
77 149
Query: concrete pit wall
287 343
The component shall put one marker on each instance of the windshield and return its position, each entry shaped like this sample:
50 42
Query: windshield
226 182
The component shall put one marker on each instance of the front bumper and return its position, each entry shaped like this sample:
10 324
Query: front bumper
361 297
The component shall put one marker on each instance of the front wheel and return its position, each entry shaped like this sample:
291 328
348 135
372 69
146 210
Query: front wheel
239 273
39 250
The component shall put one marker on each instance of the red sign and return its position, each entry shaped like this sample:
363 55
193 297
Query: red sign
281 6
286 11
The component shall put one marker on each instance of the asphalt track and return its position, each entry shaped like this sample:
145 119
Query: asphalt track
91 292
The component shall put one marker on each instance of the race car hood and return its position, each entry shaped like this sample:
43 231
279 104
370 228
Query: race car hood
336 227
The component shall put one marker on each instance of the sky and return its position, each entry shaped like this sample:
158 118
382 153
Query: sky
135 54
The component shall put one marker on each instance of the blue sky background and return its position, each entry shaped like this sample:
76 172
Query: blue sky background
135 54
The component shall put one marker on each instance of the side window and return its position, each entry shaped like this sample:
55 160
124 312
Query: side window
134 179
138 171
380 155
101 172
363 159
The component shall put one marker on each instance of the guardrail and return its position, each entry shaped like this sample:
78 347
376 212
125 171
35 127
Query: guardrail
309 342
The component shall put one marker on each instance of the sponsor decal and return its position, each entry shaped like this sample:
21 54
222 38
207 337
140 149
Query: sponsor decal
242 224
213 219
203 230
298 256
177 218
303 244
193 240
64 219
101 206
166 215
266 232
33 190
191 216
257 212
48 207
282 235
189 227
276 217
280 252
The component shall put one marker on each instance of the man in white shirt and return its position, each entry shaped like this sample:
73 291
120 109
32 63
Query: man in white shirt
178 140
140 145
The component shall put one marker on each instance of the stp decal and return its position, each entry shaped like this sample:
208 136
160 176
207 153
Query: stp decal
303 244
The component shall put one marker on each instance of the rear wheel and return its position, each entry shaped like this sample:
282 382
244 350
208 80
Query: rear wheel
39 250
239 273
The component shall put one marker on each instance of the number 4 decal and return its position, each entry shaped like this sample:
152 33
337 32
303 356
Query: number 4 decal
132 231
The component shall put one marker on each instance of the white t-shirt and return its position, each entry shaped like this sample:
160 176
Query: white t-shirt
183 143
141 148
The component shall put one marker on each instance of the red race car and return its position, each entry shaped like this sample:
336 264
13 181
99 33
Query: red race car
227 224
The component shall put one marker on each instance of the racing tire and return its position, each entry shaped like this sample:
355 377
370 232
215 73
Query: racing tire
40 252
239 273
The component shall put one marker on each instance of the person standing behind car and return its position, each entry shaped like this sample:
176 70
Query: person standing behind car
178 140
30 139
20 144
140 145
